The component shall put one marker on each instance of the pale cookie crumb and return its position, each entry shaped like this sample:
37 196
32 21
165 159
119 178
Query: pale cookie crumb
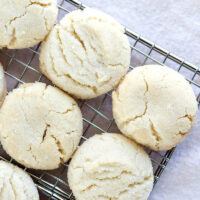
155 106
2 85
40 126
87 54
16 184
24 23
110 166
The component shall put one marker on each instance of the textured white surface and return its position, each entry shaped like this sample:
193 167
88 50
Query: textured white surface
174 25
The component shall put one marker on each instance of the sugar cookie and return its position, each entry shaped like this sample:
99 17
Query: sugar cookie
110 166
24 23
16 183
40 126
87 54
155 106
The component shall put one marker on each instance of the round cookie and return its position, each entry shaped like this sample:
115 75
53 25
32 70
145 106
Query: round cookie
110 166
40 126
16 183
24 23
155 106
2 85
87 54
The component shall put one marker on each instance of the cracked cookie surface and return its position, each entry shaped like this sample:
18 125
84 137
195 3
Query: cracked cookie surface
2 85
155 106
110 167
24 23
16 184
40 126
87 54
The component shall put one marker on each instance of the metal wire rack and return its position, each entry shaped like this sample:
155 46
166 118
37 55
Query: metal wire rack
23 66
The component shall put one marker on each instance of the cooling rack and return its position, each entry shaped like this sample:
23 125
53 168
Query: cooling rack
23 66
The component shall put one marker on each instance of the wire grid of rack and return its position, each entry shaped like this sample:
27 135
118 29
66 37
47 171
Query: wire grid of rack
23 66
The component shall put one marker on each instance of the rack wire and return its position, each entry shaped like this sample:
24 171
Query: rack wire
23 66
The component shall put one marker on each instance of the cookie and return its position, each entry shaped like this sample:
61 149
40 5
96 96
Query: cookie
87 54
110 166
16 183
24 23
2 85
155 106
40 126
